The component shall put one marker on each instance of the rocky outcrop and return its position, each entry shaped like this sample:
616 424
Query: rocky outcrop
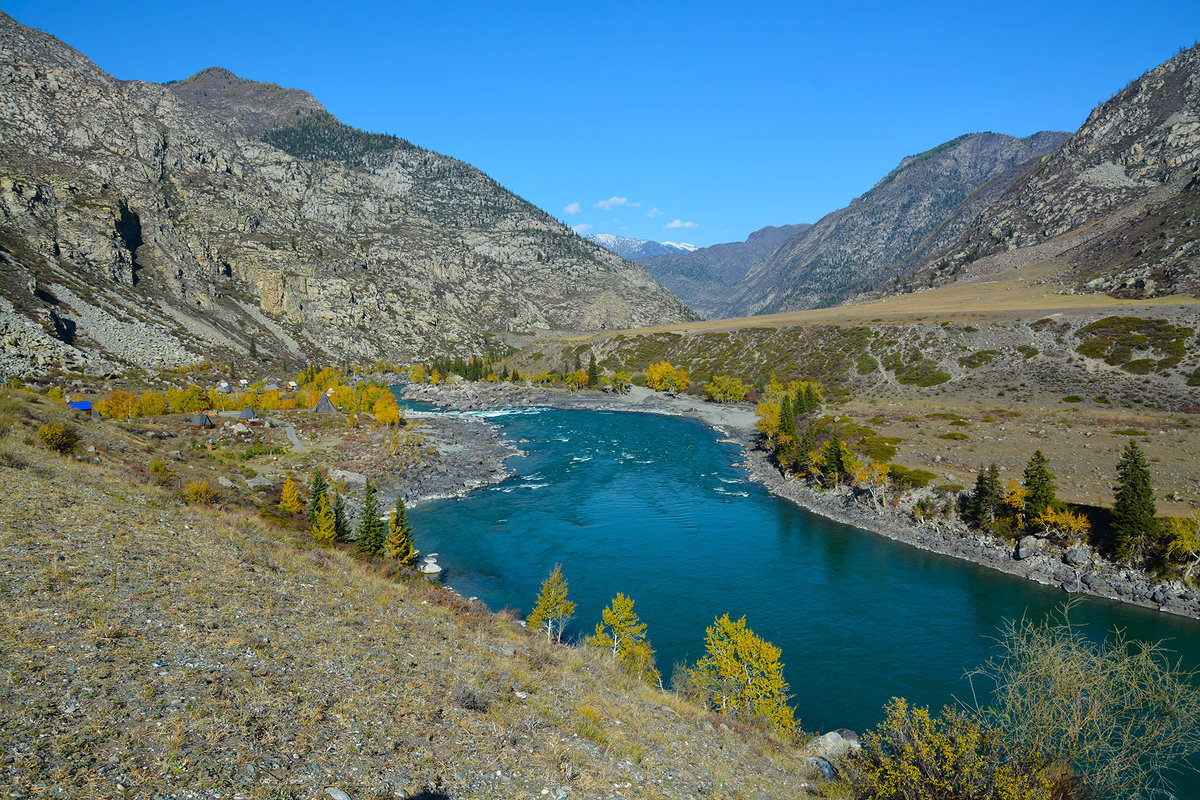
864 244
229 216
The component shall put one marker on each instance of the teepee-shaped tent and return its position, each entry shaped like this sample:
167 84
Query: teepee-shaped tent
325 406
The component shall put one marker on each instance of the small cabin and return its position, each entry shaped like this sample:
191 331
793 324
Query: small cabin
325 406
82 406
248 415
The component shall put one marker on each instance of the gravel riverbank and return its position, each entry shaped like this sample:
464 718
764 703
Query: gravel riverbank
1077 570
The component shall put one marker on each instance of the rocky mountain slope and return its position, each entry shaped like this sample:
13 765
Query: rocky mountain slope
865 243
632 249
1116 205
703 277
152 225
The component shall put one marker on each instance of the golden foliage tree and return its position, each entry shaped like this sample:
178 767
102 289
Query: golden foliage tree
664 377
1183 542
398 544
387 410
741 675
323 527
725 389
623 634
289 499
552 610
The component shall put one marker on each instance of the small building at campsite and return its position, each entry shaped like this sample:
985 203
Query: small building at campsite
82 406
201 421
325 406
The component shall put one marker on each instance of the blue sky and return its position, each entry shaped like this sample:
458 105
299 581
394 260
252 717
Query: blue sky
696 122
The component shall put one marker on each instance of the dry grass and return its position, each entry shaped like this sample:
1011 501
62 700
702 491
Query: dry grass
150 646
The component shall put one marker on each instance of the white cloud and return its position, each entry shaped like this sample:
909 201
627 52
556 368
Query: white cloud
582 227
616 202
572 209
654 212
678 223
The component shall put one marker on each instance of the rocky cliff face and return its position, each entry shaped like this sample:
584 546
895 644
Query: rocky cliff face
866 243
703 278
154 225
1117 203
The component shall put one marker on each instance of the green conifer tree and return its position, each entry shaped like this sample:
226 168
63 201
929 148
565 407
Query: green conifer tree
985 497
807 446
1135 518
786 438
398 545
593 372
837 460
316 492
371 530
1039 487
552 609
340 524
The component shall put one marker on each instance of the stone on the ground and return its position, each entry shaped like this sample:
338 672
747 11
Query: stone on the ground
228 484
348 477
833 745
258 483
1076 556
1028 546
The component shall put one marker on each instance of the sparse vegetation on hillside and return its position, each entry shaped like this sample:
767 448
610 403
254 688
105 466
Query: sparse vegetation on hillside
320 135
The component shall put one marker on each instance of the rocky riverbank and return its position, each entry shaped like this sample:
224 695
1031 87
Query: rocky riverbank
1076 570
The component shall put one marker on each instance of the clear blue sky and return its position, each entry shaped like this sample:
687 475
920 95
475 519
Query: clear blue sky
723 117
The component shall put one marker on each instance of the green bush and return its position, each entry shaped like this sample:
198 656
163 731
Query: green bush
906 478
867 364
58 437
954 437
1072 398
977 359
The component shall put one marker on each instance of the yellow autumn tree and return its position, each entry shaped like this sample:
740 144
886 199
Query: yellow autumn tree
552 610
664 377
398 543
289 499
387 410
624 636
1063 523
725 389
741 675
323 528
151 404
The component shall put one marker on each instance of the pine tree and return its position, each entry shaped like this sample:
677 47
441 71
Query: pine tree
981 505
323 529
837 459
593 372
316 492
1039 487
340 524
786 438
741 675
808 444
552 609
1134 520
624 636
398 545
371 530
289 499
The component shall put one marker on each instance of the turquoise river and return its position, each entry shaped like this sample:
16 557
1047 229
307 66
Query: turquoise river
656 507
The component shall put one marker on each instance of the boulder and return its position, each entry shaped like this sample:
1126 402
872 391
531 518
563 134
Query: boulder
1028 546
175 454
258 483
833 745
822 765
228 484
347 477
1077 556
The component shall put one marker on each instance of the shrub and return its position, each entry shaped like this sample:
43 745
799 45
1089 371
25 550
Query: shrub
913 756
199 492
905 478
58 437
1105 718
1072 398
867 364
954 436
161 472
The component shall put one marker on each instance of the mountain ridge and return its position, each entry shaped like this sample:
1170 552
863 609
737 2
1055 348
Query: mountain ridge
141 229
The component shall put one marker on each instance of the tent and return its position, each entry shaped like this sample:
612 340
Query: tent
248 415
201 420
325 406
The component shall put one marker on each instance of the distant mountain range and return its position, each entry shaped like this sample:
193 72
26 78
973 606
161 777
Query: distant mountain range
154 225
632 249
703 277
